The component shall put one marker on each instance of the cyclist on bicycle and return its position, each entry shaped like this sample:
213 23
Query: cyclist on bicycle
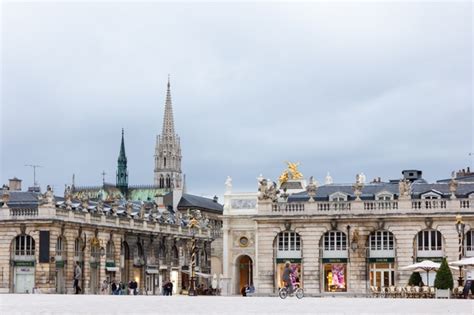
286 277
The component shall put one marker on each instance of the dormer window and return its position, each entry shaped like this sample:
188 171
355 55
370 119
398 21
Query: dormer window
384 195
431 195
338 196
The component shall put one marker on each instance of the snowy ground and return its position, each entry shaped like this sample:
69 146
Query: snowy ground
108 304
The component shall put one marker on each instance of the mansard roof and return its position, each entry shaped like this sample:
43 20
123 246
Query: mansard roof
369 191
193 201
23 199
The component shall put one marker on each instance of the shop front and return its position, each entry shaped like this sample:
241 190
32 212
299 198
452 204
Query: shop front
288 249
152 281
24 276
335 274
23 264
381 259
334 262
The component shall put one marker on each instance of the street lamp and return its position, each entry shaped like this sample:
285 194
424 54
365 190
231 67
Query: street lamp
193 225
460 229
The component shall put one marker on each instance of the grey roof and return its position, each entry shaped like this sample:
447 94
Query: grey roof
370 190
23 199
188 201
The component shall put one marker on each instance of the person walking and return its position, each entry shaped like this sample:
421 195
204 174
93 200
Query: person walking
104 287
113 287
77 277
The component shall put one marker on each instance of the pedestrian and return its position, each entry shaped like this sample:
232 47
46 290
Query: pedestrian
114 288
135 287
130 287
170 288
77 277
104 288
121 288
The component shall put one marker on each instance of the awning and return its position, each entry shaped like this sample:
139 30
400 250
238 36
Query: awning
152 271
199 274
112 269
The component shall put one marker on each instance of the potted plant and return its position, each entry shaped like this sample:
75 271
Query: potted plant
415 279
443 281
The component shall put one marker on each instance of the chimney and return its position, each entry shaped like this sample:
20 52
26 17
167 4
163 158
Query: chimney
14 184
215 199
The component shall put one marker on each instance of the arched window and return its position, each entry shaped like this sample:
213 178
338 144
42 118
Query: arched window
110 251
164 162
162 181
60 247
168 181
469 243
288 245
24 246
78 249
381 240
335 241
429 243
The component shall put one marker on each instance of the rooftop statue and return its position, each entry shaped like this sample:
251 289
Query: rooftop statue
293 169
228 184
328 180
267 190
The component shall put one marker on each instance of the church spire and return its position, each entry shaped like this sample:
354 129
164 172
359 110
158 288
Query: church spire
168 120
122 173
168 150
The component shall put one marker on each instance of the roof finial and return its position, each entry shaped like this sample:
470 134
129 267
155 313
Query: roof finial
168 81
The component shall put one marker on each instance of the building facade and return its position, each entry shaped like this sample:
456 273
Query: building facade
343 238
42 238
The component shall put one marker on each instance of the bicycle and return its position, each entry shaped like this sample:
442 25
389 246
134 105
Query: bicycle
283 293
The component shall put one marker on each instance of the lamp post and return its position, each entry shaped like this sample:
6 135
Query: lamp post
193 226
460 229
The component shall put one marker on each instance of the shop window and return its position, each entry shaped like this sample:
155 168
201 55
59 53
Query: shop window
335 277
382 274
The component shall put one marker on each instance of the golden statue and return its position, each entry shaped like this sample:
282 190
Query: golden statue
293 169
290 173
283 177
193 223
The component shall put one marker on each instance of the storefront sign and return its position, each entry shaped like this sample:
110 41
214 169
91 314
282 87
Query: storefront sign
109 264
24 263
381 260
59 263
433 259
291 260
334 260
94 264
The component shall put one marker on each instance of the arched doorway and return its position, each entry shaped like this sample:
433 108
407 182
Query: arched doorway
79 246
60 258
23 262
95 266
244 272
125 262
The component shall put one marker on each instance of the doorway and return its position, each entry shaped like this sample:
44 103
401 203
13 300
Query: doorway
244 272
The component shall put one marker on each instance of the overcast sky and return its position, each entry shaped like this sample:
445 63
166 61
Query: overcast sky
345 88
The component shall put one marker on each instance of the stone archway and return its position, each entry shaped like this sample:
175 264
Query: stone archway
244 272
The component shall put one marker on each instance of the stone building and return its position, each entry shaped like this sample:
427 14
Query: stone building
115 231
41 239
343 238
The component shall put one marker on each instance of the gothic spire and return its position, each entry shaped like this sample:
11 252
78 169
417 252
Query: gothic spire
122 173
168 121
